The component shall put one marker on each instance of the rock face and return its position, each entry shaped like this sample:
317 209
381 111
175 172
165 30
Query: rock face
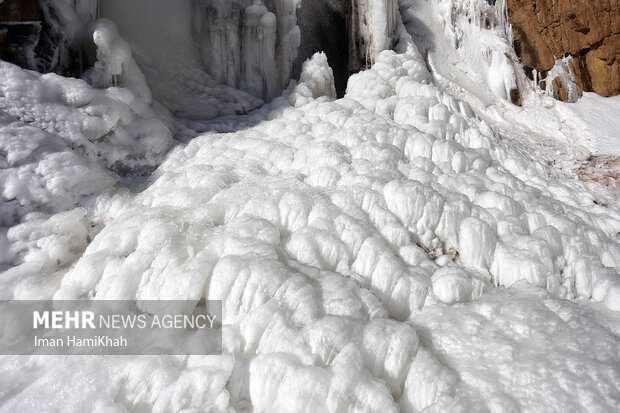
32 36
20 11
586 30
20 26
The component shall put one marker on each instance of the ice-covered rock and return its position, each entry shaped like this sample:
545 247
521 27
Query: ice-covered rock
373 26
112 126
453 285
114 65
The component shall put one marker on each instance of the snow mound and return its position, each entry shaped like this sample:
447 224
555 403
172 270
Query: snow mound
113 126
526 352
62 143
40 172
316 80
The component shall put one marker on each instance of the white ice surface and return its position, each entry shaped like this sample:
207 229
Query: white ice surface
180 45
386 251
597 121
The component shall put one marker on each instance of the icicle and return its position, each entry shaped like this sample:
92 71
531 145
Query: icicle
372 24
248 44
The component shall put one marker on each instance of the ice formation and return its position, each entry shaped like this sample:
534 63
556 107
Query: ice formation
247 44
163 44
87 10
373 26
373 253
252 45
467 44
227 56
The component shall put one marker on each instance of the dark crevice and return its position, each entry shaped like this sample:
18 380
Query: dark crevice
324 26
32 37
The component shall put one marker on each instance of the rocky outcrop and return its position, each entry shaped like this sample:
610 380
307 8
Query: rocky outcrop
20 11
32 36
587 31
20 27
350 32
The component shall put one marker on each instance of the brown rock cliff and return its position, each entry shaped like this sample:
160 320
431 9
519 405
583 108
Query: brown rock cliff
586 30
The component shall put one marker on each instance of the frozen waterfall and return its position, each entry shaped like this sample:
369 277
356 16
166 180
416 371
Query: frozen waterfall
248 44
242 51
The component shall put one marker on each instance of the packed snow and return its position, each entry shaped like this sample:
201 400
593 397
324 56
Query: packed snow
597 122
388 251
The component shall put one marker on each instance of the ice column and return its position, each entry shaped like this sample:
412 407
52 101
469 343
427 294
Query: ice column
115 65
289 37
248 44
258 51
372 26
217 28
